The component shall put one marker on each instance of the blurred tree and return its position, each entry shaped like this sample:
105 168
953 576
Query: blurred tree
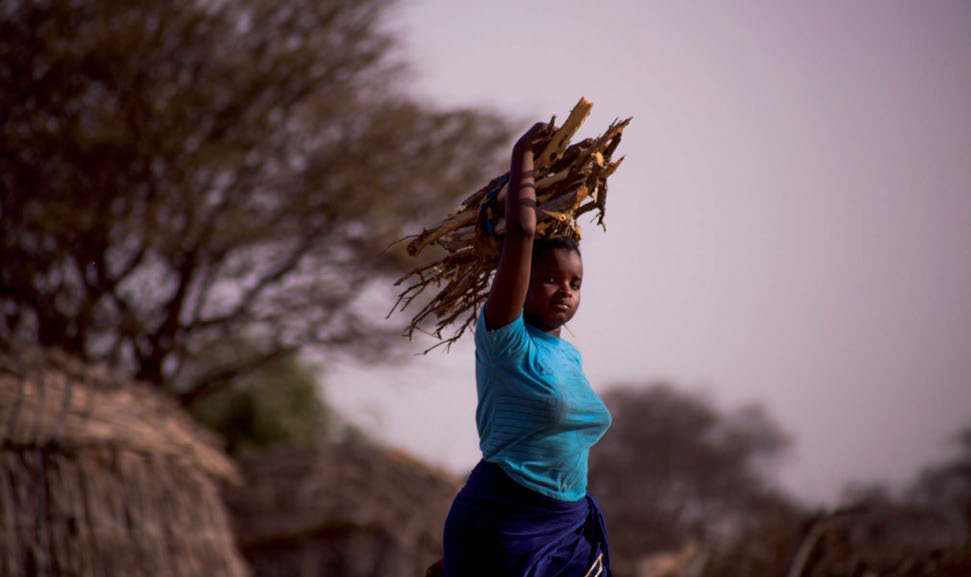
279 403
673 470
948 485
174 173
870 494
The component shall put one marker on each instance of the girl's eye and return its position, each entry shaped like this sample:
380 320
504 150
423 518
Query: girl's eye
576 286
549 279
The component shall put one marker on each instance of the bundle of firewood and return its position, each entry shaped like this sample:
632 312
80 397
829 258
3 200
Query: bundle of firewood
571 180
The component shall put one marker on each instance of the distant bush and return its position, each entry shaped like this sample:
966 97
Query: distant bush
280 403
674 474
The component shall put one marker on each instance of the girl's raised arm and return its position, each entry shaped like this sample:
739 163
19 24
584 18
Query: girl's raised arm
511 282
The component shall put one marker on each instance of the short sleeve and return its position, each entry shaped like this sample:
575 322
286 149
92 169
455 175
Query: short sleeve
508 342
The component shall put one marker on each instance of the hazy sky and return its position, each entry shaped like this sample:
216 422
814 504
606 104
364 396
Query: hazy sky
792 225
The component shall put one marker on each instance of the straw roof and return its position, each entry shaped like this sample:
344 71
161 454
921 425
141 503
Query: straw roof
101 476
888 541
354 510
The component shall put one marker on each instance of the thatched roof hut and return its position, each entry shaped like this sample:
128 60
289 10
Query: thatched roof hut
353 510
104 477
883 541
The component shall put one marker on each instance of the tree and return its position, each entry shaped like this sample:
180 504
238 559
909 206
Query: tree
177 173
280 403
947 485
673 470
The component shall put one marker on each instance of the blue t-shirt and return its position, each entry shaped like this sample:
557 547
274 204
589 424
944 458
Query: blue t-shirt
537 415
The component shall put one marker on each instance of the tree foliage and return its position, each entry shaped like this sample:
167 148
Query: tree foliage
947 485
672 469
176 173
280 403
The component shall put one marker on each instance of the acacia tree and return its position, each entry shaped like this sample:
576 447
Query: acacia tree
174 173
673 469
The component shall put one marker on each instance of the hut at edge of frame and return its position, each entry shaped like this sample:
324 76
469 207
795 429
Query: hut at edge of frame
100 476
349 509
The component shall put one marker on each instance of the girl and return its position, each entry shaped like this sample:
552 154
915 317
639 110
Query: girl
524 512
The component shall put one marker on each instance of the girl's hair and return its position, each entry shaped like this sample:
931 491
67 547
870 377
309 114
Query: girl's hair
543 245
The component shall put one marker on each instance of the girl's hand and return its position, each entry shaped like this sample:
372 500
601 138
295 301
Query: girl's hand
530 140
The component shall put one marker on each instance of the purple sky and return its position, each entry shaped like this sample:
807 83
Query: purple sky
792 225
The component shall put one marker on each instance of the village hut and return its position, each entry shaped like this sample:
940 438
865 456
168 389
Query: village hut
352 509
883 541
100 476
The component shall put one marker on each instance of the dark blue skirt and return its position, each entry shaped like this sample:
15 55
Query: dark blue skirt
498 528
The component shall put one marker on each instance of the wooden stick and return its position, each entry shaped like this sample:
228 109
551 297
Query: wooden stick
565 133
571 180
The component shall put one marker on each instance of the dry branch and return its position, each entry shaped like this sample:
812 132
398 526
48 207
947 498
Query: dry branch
571 180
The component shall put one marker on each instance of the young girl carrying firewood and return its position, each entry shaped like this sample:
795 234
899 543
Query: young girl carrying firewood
525 511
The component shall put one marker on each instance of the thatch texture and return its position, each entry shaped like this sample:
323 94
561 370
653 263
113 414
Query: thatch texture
571 180
892 541
103 477
352 510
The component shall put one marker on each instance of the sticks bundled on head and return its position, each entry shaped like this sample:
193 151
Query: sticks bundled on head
571 180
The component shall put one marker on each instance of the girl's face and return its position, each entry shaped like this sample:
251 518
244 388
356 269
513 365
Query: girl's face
554 289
